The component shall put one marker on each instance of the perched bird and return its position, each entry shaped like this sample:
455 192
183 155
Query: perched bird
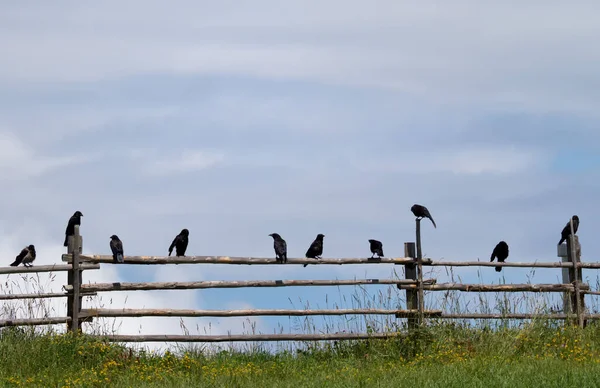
566 232
180 243
27 256
421 211
376 247
74 220
501 252
316 248
280 247
116 246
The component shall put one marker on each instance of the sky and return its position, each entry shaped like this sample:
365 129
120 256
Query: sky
237 120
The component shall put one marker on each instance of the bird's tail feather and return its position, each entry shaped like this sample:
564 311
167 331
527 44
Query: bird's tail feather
15 263
120 258
498 269
432 221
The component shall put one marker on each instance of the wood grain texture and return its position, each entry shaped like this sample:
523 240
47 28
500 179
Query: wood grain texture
142 286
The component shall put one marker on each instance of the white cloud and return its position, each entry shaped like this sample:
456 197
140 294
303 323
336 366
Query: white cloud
154 164
481 160
18 160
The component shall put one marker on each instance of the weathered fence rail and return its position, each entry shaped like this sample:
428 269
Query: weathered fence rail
414 284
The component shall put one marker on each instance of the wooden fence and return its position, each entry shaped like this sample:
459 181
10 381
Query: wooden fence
414 285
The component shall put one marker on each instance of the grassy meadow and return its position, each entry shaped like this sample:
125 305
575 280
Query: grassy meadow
443 354
439 356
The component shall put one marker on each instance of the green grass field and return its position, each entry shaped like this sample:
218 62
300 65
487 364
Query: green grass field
535 355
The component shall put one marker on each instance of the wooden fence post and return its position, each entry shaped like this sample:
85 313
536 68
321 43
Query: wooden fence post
575 276
410 273
75 245
421 298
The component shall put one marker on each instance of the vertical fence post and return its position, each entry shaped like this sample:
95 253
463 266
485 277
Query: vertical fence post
575 274
410 273
74 300
421 298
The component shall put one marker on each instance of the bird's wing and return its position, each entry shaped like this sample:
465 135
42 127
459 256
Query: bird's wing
173 243
119 246
23 253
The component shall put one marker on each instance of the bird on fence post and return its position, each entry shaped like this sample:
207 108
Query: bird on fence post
566 232
116 246
421 211
501 252
180 243
376 247
27 256
280 247
316 248
70 231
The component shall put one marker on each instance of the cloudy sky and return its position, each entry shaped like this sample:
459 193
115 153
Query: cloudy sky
240 119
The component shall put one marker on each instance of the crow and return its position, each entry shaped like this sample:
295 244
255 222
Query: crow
280 247
376 247
501 252
180 243
566 232
316 248
74 220
116 246
421 211
27 256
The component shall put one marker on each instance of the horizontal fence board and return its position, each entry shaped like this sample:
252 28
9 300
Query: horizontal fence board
149 260
34 321
41 296
495 287
245 337
102 287
506 316
45 268
245 313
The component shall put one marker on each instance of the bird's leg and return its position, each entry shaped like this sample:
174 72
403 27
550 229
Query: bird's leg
373 256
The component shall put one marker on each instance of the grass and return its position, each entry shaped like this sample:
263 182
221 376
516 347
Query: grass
439 356
462 354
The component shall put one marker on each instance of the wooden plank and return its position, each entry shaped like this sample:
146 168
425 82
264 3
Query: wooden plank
506 316
497 287
536 264
45 268
244 313
160 260
34 321
150 260
245 337
102 287
41 296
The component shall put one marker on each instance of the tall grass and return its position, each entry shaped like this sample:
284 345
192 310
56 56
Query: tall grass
442 353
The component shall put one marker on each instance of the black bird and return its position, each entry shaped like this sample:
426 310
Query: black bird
27 256
376 247
116 246
280 247
501 252
316 248
74 220
566 232
421 211
180 243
